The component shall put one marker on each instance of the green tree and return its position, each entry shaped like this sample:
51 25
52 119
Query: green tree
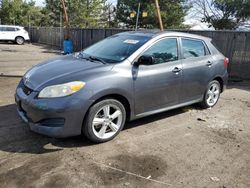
82 13
19 12
172 11
223 14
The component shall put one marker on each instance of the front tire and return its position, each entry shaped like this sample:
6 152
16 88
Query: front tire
211 95
19 40
104 120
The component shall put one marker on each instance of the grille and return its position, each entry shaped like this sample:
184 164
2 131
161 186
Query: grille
25 89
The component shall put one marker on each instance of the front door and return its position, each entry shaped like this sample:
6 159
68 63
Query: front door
157 86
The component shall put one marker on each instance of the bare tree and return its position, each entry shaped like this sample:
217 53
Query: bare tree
222 14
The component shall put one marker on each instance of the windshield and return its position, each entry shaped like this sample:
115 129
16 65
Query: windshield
116 48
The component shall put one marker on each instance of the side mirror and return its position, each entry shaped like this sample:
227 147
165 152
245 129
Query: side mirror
145 60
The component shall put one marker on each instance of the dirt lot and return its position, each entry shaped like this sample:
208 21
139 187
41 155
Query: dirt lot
17 59
187 147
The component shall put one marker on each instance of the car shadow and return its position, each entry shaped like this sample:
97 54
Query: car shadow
156 117
15 136
239 84
49 48
8 43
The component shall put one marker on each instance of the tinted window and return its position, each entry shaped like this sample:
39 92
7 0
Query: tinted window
2 29
164 51
116 48
193 48
10 29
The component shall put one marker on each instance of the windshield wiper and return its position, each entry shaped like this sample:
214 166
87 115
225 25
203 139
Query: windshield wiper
93 58
82 55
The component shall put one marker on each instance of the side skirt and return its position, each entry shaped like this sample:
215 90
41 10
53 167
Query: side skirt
166 109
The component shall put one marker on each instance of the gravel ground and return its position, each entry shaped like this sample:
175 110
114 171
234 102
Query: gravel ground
16 59
186 147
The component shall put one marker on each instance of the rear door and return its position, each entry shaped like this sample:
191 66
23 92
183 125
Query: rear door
158 86
10 33
197 65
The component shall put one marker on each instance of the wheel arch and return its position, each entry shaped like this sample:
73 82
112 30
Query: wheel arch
19 36
220 80
117 96
122 99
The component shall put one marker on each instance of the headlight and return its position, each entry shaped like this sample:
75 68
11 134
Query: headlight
61 90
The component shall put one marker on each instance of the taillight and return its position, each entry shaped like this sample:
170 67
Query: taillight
226 61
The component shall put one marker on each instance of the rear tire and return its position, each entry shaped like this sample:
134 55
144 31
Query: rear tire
19 40
104 120
212 94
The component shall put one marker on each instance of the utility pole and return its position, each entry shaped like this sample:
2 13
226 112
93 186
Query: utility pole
66 19
29 23
87 14
109 16
60 29
159 14
137 16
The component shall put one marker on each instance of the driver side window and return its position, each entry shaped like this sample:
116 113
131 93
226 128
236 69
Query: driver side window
163 51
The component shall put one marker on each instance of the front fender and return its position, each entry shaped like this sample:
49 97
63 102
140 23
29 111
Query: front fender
117 92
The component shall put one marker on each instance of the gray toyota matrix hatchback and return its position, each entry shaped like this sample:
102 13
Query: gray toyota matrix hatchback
124 77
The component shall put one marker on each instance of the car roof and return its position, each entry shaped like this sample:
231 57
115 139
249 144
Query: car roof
153 34
11 26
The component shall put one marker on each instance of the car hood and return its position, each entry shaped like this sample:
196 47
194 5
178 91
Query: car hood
61 70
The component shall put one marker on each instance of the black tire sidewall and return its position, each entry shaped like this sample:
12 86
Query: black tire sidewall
87 124
204 102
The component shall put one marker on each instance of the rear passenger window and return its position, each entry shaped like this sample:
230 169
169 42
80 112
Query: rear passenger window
10 29
193 48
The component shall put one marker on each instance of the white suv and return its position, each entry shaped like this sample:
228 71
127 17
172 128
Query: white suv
13 33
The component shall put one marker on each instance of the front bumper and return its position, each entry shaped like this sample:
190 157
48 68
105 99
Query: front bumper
58 117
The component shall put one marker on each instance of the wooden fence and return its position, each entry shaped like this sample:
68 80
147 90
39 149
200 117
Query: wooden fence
233 44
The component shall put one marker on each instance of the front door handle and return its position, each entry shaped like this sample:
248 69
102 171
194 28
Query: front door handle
209 63
176 70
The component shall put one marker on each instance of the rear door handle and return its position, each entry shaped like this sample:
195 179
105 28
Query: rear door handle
176 70
209 63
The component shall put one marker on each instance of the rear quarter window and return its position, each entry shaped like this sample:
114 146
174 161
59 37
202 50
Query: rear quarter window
193 48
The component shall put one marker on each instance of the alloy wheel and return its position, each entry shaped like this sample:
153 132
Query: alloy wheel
107 121
213 94
19 40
